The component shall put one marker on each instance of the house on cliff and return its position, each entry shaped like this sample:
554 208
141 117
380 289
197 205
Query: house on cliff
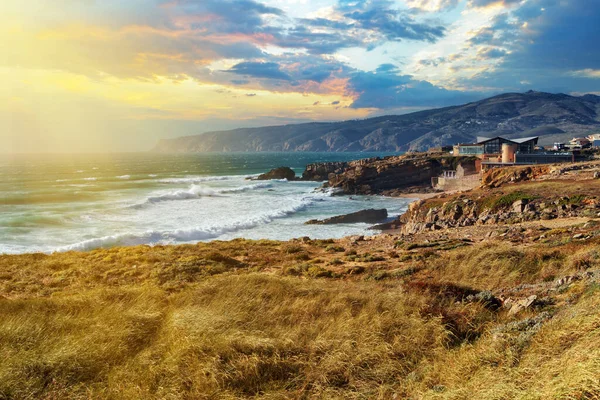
501 151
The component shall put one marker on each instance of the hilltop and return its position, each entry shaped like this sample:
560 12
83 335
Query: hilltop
553 117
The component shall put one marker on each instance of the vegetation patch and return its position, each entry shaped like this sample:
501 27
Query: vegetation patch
496 203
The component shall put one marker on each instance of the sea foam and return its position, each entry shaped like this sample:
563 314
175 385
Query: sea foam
196 191
190 234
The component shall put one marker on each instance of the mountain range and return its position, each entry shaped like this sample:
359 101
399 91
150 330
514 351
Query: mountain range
552 117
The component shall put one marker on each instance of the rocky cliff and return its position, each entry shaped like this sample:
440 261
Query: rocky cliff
553 117
393 174
322 171
529 202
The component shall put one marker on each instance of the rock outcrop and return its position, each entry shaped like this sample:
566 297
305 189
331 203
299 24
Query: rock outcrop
278 173
437 214
367 216
497 177
391 174
322 171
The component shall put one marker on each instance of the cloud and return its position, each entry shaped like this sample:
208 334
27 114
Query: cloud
224 16
268 70
394 25
432 5
549 41
487 3
491 52
387 89
587 73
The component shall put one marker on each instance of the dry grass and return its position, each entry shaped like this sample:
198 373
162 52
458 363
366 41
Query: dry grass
273 320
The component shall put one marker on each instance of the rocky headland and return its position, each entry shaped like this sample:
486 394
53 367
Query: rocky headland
390 176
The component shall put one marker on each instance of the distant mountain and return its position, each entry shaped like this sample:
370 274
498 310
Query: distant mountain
553 117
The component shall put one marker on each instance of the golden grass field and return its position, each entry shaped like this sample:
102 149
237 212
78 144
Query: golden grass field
373 319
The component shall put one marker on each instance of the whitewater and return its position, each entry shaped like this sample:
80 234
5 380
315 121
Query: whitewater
83 203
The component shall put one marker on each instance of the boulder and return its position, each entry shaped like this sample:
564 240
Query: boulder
386 226
519 305
278 173
367 216
519 206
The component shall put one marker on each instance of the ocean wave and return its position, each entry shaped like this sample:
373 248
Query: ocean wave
83 185
124 177
90 179
195 179
187 235
196 191
247 188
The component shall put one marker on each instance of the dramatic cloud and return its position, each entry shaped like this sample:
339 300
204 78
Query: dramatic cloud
432 5
385 88
268 70
212 60
487 3
549 42
392 24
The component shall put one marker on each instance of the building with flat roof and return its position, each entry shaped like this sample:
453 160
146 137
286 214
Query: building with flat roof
499 151
491 148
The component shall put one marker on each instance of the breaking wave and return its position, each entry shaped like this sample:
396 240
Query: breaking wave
196 191
188 235
195 179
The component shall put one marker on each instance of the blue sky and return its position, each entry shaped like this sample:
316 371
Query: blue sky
133 71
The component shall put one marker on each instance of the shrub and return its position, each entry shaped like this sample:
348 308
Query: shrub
504 201
316 271
334 248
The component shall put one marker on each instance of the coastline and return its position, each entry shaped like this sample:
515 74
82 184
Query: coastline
409 314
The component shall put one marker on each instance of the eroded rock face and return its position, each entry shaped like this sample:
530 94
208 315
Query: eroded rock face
321 171
385 175
458 212
368 216
278 173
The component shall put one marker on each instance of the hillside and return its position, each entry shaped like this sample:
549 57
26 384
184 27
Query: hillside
551 116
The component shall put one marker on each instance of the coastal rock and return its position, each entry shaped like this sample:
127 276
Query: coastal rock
278 173
386 226
321 171
368 216
393 173
390 176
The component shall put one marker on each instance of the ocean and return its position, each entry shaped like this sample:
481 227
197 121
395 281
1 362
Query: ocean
52 203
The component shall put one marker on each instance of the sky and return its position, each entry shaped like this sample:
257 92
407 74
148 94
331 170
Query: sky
117 75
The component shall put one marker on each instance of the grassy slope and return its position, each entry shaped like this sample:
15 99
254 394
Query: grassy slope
245 319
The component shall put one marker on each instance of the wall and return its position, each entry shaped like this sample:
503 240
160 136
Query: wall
466 183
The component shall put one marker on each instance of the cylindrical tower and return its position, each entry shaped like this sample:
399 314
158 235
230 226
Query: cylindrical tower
508 153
